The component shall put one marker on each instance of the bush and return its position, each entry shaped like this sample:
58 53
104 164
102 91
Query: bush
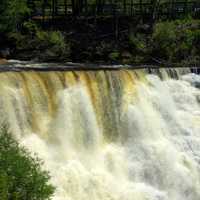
164 39
176 41
43 45
114 56
53 44
51 39
21 176
137 43
21 41
30 27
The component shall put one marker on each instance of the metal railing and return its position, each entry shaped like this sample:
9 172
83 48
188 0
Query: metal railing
167 10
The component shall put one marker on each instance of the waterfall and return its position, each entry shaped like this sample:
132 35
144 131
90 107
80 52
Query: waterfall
109 134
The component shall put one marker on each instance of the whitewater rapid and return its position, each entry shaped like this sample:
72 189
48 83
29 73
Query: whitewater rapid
109 135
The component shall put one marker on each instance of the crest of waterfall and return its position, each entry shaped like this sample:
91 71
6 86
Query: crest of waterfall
109 135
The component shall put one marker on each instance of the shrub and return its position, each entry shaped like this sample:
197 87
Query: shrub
43 45
53 44
51 38
196 37
137 42
30 27
21 175
102 50
21 41
164 39
176 41
114 56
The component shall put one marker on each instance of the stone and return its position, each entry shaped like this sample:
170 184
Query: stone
3 61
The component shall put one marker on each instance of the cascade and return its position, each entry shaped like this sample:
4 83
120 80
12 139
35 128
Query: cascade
109 134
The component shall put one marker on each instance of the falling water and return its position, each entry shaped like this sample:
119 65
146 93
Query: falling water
109 135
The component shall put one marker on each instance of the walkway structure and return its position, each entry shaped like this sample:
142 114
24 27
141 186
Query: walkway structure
108 8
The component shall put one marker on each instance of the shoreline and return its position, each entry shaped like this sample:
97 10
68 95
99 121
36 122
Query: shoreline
16 65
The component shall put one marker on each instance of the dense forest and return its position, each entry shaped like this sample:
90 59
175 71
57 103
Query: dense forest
70 30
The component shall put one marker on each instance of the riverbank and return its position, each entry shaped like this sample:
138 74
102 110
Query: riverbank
166 43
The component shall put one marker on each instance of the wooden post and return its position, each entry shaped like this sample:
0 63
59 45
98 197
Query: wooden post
116 21
53 10
141 9
43 12
73 7
95 14
154 10
131 7
65 4
56 7
172 9
86 7
125 7
186 7
99 6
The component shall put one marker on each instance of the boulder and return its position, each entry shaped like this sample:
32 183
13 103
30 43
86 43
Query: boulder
3 61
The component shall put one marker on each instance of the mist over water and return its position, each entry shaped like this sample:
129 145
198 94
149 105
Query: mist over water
109 135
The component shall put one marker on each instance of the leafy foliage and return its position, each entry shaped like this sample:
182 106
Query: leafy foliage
54 44
21 176
114 56
164 38
47 45
52 38
176 41
12 14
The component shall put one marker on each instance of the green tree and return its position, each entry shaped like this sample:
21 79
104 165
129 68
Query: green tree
12 15
21 176
164 40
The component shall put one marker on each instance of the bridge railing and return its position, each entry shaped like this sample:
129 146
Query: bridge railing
166 9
